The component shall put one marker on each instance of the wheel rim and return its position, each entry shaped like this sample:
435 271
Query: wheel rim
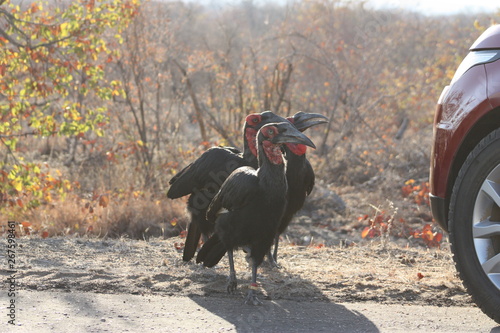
486 226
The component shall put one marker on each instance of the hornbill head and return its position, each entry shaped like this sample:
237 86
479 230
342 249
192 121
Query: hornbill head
257 120
284 132
253 122
302 120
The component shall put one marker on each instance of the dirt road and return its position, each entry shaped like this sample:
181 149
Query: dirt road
117 285
49 311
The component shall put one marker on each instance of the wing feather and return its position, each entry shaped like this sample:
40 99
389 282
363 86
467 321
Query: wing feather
237 192
209 170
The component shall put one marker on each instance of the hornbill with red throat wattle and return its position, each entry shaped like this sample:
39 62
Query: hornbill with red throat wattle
248 208
300 177
202 179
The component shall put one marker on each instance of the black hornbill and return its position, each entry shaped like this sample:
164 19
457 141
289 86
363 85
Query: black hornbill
248 208
300 178
203 178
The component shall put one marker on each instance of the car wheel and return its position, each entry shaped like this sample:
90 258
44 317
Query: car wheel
474 224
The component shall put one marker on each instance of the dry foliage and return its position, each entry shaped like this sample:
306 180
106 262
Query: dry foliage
185 76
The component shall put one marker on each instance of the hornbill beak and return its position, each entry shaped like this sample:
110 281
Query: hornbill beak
289 134
302 120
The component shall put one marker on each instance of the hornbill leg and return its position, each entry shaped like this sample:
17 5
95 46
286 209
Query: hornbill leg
252 289
232 283
273 257
275 253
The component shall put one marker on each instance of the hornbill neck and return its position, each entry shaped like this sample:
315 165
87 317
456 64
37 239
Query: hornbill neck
271 162
294 154
295 149
248 154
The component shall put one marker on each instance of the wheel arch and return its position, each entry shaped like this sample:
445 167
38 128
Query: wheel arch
484 126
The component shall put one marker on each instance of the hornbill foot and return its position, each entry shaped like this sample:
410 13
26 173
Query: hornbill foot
272 261
251 298
232 284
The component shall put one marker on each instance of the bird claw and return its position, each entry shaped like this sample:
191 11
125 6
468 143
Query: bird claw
272 261
252 299
232 284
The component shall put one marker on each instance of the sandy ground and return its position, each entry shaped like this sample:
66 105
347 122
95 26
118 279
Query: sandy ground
146 284
369 272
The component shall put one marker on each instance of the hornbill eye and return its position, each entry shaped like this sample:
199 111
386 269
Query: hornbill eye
253 119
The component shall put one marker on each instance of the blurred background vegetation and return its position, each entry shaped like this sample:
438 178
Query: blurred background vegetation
103 102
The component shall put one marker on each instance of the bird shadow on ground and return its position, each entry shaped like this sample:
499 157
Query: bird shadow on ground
289 304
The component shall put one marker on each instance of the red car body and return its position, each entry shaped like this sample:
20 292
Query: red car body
467 111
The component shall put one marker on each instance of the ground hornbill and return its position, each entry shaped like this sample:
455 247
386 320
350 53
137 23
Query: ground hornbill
300 178
203 178
248 208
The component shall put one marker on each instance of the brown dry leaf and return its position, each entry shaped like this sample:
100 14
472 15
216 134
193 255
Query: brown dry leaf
104 201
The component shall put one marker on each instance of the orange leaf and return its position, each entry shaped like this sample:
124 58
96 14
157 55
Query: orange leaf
420 276
410 182
26 224
363 217
428 235
20 203
45 234
365 232
103 201
34 8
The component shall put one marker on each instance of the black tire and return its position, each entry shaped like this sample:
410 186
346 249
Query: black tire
470 204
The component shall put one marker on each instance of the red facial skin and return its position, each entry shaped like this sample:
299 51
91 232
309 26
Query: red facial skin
253 119
297 148
272 151
251 137
251 133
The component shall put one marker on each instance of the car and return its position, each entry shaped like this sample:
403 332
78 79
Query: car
465 170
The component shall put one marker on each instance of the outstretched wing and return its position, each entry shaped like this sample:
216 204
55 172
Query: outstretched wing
209 170
239 189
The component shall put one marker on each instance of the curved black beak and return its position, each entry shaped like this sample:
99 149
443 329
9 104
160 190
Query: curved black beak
303 120
289 134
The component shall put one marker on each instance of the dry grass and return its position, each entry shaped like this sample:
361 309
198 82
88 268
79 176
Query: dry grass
137 217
